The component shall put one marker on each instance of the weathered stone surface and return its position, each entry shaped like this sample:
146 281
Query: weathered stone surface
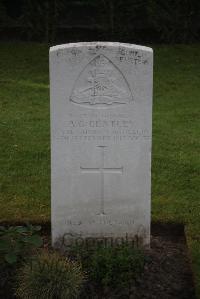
101 110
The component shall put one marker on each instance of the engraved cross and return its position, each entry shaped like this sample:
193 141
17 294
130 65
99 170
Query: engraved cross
102 170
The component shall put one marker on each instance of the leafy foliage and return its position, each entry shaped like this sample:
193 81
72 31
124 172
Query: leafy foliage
175 21
16 244
110 267
126 20
17 241
48 276
40 18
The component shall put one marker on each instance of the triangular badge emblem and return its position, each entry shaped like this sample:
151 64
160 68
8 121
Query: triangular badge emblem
101 84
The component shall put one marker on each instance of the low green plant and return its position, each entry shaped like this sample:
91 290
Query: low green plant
49 276
17 241
16 244
111 267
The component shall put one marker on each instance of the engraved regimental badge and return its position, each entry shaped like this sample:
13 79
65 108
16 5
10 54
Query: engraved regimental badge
101 84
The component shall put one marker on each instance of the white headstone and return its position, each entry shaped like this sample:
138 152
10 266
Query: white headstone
101 114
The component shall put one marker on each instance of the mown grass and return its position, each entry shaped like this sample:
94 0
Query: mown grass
25 146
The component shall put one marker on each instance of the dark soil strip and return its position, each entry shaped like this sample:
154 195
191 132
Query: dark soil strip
168 274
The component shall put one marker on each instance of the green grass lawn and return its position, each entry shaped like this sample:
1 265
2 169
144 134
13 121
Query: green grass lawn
25 146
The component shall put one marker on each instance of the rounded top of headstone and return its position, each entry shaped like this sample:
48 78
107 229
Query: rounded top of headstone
100 44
